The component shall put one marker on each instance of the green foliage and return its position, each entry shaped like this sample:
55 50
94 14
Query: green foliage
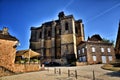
108 41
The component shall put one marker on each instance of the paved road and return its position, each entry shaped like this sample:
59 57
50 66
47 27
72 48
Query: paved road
83 72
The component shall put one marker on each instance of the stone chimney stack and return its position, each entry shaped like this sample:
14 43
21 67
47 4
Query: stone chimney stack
5 31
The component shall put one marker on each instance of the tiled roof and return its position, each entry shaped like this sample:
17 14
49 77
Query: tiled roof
7 37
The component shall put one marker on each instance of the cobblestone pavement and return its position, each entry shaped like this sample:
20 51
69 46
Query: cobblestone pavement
83 73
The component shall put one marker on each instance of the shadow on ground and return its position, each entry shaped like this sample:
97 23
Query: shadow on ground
114 74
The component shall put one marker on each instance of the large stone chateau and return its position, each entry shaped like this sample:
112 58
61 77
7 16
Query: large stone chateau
58 39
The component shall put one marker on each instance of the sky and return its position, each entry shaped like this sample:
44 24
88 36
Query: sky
99 16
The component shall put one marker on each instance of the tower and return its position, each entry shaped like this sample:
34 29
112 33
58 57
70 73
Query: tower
58 39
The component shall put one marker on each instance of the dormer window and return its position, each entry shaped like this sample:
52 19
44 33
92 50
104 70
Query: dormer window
66 26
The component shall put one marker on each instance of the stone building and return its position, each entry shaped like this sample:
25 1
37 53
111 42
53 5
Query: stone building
117 46
8 44
58 39
95 50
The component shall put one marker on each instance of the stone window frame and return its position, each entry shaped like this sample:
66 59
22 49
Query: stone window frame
94 58
93 49
102 49
110 58
108 50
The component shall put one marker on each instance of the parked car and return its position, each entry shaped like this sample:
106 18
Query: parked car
46 63
54 64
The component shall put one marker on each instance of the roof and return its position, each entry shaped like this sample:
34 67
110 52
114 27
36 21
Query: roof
27 53
7 36
95 37
94 42
49 23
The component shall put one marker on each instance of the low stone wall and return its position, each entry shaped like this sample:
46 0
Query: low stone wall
26 67
5 72
20 68
81 63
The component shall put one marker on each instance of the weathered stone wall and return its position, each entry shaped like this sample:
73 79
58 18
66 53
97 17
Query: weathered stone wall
66 38
26 67
7 52
5 72
56 36
7 58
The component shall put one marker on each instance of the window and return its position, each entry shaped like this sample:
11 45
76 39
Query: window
49 33
82 59
108 49
66 26
76 30
78 51
110 58
94 58
83 50
59 31
102 49
40 35
93 49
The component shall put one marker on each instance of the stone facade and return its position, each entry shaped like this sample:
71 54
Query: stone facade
8 46
96 51
57 39
117 46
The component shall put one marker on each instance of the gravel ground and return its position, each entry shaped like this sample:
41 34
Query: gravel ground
83 72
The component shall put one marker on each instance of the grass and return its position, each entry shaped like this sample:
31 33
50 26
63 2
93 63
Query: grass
112 66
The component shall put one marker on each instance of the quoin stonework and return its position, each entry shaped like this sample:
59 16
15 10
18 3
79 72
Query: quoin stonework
58 39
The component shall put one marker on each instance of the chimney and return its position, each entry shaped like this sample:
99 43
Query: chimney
5 31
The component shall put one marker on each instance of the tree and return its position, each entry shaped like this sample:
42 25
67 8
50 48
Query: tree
108 41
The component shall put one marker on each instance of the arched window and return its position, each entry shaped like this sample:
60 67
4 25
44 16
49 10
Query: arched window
66 26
